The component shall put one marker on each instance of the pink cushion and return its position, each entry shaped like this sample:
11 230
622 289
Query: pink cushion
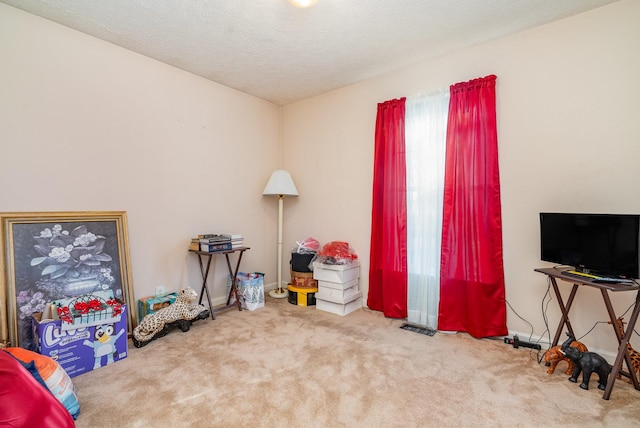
26 403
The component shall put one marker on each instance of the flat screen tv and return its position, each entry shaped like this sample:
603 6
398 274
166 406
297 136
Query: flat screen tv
600 244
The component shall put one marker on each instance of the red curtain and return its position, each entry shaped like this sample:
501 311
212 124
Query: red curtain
472 297
388 263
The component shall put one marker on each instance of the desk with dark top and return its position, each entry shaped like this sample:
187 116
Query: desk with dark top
604 288
233 274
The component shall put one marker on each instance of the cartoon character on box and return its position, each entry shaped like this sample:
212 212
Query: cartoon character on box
104 343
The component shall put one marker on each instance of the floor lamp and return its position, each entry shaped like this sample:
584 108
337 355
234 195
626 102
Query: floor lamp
280 184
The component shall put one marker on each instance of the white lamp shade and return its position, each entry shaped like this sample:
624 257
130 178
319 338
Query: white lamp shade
303 3
280 183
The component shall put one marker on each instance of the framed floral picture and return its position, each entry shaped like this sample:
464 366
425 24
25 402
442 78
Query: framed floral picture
48 256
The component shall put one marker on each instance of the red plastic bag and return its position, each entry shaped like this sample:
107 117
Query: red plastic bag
309 245
337 253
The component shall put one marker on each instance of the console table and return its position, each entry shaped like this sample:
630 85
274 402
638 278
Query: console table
553 274
204 270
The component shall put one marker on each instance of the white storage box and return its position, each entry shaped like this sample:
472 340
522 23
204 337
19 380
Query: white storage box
337 308
338 296
339 285
336 273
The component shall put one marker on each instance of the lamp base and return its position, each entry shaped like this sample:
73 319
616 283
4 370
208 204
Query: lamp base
279 293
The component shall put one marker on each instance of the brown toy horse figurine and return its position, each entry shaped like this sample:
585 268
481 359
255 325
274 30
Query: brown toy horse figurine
554 355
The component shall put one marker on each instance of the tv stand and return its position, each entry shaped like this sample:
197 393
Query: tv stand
604 288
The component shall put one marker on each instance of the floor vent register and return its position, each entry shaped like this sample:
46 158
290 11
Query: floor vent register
416 329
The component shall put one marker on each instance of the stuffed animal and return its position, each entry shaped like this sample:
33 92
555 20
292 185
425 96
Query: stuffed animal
554 355
182 312
587 363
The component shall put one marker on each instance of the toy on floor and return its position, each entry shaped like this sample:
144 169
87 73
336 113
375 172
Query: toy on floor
554 355
181 313
633 354
587 363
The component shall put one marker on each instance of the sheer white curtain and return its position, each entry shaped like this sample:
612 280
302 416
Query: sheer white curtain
425 133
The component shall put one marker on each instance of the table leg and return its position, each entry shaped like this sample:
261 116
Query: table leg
205 289
622 350
234 280
619 336
564 309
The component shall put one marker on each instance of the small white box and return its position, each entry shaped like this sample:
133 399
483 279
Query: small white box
338 296
336 273
337 308
339 285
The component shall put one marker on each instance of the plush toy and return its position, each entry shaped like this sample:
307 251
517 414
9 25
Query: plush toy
180 313
554 355
587 363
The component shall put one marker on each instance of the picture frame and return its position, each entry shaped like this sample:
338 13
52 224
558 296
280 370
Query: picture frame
54 255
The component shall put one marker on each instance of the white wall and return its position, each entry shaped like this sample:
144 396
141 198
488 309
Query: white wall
85 125
569 139
88 126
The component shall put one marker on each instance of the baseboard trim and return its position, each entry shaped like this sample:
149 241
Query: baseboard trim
608 355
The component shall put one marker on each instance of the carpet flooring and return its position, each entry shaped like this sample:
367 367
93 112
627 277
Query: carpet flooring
285 365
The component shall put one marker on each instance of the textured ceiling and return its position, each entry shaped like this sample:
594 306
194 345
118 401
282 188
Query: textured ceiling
274 51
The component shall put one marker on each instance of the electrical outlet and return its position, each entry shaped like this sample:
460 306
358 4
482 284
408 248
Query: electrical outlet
159 290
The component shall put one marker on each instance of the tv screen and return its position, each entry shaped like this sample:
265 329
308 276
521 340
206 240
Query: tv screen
604 244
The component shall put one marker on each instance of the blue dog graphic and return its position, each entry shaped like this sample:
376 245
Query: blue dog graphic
104 343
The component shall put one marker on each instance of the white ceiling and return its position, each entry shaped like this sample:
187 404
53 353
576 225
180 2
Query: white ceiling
274 51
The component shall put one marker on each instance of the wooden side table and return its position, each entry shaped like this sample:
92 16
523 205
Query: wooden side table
204 270
604 288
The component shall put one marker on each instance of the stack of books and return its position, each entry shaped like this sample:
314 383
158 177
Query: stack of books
194 245
236 241
211 242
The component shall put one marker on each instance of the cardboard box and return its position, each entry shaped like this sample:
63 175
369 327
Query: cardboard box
338 296
336 273
338 308
151 304
95 308
339 285
79 351
303 280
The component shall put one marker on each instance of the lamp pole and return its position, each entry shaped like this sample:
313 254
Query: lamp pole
280 215
279 292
